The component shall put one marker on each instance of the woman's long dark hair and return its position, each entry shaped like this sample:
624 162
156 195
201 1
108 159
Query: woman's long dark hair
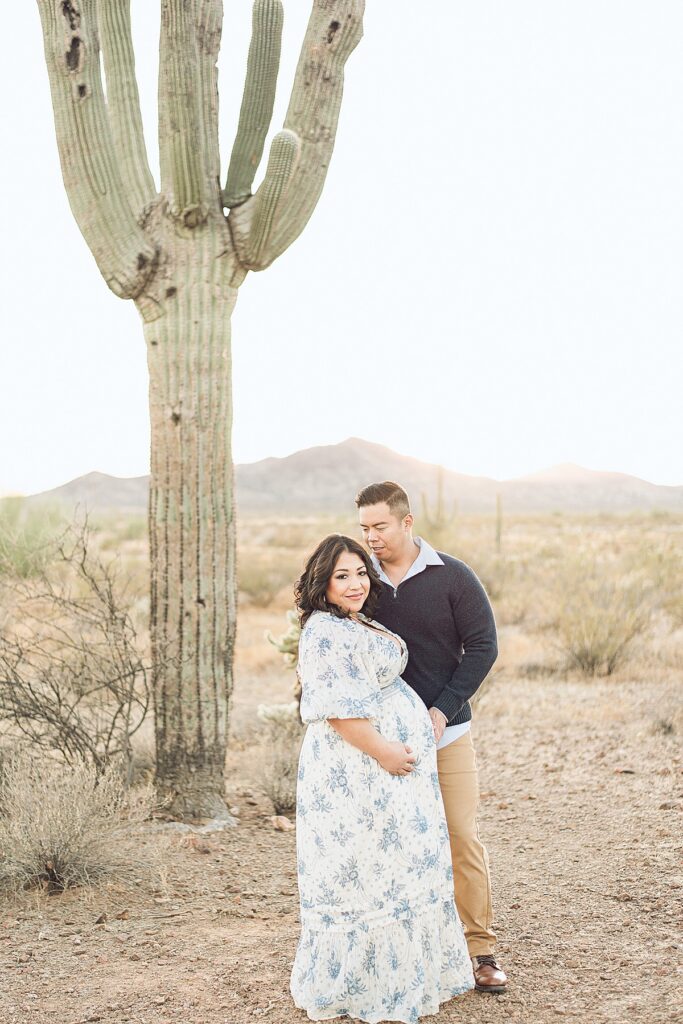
310 588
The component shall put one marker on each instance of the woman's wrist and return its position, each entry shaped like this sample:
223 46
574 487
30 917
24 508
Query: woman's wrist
382 749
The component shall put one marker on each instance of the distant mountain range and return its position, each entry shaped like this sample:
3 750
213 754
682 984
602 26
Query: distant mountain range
325 479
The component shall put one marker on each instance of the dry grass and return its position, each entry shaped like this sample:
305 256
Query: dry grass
279 754
63 826
597 616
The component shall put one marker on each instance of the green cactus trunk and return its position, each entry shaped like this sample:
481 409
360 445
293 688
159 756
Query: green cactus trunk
192 532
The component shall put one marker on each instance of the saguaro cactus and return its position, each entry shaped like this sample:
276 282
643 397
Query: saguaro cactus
438 520
181 254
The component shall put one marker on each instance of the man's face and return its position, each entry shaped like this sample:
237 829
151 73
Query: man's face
383 532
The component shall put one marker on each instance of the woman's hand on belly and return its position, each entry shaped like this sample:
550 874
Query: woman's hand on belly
395 757
398 759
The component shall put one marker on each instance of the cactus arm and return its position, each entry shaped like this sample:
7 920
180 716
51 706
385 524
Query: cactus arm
209 26
253 245
334 29
86 150
123 101
257 102
183 180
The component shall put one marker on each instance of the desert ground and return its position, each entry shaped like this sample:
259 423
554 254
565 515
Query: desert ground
581 801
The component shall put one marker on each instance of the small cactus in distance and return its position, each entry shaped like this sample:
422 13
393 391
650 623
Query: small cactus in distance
438 521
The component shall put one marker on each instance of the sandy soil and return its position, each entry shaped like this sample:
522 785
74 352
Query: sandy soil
582 793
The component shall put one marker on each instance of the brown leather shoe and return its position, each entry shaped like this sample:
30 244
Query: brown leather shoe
489 976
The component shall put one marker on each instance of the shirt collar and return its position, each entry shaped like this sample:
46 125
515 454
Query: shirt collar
426 556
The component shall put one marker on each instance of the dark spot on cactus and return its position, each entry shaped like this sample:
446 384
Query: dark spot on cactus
71 14
82 91
332 31
142 261
175 418
73 54
201 601
170 292
154 343
193 216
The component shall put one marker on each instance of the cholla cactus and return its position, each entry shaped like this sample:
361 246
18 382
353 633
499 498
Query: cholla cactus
288 643
280 718
181 254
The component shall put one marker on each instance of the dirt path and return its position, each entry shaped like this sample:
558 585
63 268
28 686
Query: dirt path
581 812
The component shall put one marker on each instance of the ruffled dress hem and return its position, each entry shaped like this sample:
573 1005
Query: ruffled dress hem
374 1019
399 972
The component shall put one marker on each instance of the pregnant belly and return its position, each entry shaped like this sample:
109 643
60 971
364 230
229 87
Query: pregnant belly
405 718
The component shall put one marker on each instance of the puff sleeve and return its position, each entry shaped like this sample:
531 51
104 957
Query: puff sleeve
336 680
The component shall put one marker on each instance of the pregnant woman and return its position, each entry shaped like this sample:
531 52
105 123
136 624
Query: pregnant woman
381 939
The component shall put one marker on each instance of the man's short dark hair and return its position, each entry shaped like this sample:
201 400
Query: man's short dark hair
389 492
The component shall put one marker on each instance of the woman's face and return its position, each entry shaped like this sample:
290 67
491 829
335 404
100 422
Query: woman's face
349 584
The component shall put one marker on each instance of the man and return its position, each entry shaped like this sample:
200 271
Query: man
439 607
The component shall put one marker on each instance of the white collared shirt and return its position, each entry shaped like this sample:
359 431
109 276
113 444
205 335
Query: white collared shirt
426 556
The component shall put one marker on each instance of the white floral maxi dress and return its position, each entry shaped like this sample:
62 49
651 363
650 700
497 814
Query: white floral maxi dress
381 939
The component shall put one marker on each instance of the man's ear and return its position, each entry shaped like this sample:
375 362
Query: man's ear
408 521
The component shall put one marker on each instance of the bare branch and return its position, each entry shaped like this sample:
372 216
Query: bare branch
92 178
123 101
334 29
72 678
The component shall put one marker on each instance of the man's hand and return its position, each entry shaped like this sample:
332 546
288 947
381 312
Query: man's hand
439 721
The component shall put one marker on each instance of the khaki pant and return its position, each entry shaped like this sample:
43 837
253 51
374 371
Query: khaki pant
460 790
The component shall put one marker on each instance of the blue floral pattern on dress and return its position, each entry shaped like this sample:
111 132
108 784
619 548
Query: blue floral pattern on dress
380 934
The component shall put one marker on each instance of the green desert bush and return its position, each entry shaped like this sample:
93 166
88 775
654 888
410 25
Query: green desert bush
27 535
68 825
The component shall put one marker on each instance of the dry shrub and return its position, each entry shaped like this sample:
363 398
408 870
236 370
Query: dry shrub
66 825
599 613
279 753
263 573
661 565
73 671
121 531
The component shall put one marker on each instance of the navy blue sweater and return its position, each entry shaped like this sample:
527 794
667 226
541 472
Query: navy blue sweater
446 619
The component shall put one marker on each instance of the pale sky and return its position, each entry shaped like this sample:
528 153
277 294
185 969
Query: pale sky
492 280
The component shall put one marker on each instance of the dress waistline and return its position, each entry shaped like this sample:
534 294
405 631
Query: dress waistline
391 687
